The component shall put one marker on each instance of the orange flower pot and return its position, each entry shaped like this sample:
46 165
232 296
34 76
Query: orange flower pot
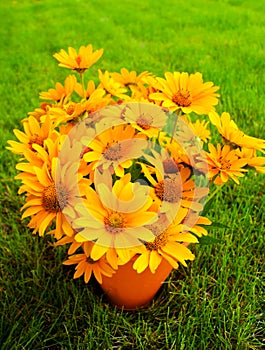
130 290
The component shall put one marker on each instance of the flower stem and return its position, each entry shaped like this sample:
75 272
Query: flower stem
178 114
83 83
218 188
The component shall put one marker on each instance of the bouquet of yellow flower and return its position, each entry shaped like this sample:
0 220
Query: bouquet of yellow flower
119 169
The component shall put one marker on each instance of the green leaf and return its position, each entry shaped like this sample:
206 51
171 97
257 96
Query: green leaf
216 225
207 240
207 207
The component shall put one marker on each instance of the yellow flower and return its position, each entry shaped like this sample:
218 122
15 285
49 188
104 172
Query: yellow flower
258 163
69 239
40 112
128 78
111 86
86 265
185 146
192 224
172 186
253 160
51 193
61 93
80 61
199 127
144 92
145 117
91 87
75 112
111 256
188 93
171 146
114 218
36 158
167 244
96 101
115 147
224 163
35 133
230 132
45 202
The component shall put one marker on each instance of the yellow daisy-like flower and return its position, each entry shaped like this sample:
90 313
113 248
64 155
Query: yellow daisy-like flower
70 112
54 112
171 146
111 86
188 93
135 82
253 160
97 100
52 181
36 158
114 218
75 112
149 119
192 224
199 128
78 61
185 147
172 186
51 195
91 87
86 265
40 112
115 147
144 92
230 132
111 256
35 133
167 244
224 163
61 93
74 245
128 78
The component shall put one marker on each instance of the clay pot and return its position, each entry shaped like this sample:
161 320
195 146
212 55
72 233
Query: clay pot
130 290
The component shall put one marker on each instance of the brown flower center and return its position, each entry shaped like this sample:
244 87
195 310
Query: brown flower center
182 98
144 121
70 109
159 242
45 105
55 198
90 260
76 111
113 152
80 70
114 223
114 220
78 60
168 190
226 165
35 139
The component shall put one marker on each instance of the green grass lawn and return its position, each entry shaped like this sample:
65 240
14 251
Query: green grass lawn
218 301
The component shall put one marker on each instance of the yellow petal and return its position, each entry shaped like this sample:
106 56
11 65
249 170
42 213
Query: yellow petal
155 260
141 262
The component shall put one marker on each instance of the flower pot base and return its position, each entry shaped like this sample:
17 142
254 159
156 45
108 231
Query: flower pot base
130 290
